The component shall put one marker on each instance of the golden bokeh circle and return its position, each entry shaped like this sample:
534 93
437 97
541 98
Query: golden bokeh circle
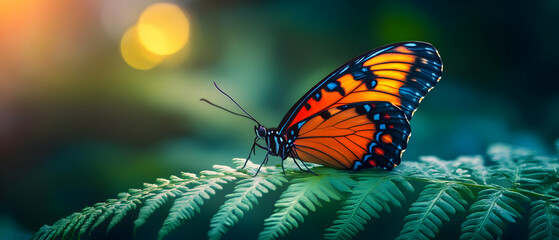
163 28
135 54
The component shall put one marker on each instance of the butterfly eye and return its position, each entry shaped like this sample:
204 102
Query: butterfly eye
260 131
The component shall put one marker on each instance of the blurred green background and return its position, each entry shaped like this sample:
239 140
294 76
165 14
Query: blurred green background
78 123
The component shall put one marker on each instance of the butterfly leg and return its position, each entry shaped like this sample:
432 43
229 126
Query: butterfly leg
308 170
264 162
260 146
252 151
295 157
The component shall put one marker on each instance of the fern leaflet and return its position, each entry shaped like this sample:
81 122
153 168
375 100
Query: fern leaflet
438 202
108 211
189 203
126 203
171 189
367 199
490 212
242 200
89 220
544 219
302 195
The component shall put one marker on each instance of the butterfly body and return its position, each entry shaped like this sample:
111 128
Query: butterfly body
278 144
358 116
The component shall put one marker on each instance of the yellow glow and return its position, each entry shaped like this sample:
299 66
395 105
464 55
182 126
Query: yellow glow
7 6
163 28
134 52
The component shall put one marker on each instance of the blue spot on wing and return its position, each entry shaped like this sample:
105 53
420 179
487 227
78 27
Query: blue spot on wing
300 124
331 86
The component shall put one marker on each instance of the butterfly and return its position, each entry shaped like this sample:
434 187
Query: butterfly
358 116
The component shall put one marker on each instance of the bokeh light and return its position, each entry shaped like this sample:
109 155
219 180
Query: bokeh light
163 28
161 31
135 54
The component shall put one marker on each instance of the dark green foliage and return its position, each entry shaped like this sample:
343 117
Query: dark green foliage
544 219
371 196
188 205
436 204
490 213
520 184
302 195
242 200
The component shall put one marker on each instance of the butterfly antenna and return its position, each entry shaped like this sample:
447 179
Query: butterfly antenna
249 116
227 110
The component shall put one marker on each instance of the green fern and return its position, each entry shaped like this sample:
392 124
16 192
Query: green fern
367 200
302 195
438 202
160 194
188 205
89 216
494 197
544 219
242 200
490 212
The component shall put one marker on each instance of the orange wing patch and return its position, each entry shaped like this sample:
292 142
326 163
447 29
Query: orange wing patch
337 141
402 54
399 74
327 97
344 136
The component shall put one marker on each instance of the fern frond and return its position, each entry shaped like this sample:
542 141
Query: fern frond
125 205
66 228
302 195
90 220
63 228
42 233
489 214
367 200
113 209
544 219
154 202
540 179
502 155
520 177
189 203
438 202
465 168
160 194
242 200
100 212
508 156
108 210
69 229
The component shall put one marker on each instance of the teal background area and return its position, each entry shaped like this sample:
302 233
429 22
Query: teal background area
95 127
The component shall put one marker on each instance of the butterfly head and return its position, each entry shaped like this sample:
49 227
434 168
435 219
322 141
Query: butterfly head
261 131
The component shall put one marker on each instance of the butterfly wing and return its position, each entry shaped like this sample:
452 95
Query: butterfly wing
353 136
400 73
